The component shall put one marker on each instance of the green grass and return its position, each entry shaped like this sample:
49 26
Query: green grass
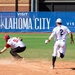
36 48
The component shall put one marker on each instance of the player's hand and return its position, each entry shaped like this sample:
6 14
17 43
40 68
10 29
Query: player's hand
46 41
0 52
20 39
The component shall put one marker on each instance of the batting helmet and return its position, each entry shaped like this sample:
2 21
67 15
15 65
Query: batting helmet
59 20
6 37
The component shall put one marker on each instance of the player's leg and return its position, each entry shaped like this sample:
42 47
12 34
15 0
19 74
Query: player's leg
58 53
53 62
62 49
14 52
56 47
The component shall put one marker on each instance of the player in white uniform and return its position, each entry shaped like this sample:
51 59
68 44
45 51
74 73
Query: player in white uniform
16 45
60 35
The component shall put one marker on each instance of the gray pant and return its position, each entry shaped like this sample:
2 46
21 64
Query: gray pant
14 52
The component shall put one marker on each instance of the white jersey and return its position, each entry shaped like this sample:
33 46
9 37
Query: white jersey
15 42
60 32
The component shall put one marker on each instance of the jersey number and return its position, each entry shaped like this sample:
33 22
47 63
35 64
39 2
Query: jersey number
61 32
15 40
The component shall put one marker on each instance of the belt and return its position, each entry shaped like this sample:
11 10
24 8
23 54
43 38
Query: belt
60 40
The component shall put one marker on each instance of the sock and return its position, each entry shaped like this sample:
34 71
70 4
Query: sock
53 60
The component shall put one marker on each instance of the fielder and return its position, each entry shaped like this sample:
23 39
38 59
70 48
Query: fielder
60 33
16 45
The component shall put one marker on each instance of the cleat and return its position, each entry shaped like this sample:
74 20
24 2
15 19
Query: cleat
52 67
23 59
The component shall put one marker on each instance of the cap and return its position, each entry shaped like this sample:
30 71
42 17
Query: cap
6 37
58 20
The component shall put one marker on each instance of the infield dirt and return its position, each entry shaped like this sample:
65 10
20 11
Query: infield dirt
35 67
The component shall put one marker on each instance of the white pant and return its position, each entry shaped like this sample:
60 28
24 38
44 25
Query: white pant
59 45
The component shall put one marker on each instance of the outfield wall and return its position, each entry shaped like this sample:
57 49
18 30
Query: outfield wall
34 21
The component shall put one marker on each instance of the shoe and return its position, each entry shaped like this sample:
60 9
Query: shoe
23 59
18 59
52 67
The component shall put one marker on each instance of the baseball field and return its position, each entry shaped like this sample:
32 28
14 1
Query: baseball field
37 57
